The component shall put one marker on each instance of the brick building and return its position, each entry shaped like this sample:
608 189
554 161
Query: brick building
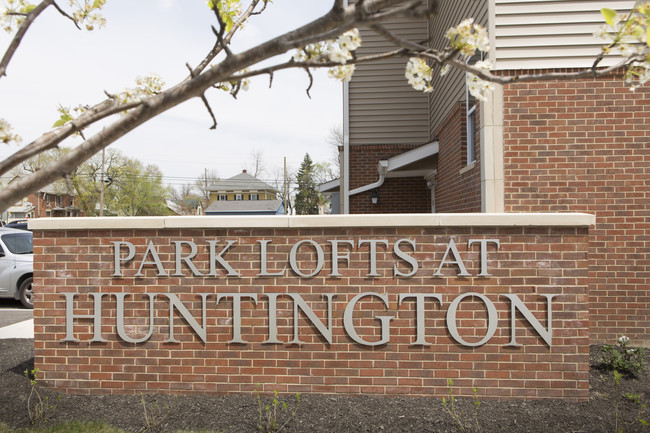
553 146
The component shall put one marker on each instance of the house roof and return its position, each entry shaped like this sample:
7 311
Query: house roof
243 207
241 182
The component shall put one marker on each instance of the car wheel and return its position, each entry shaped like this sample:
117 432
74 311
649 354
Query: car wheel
26 293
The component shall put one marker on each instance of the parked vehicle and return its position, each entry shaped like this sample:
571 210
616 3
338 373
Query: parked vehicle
17 265
17 224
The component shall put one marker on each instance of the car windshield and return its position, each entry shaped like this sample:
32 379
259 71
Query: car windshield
19 243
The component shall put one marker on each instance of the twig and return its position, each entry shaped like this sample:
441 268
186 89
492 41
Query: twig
311 81
65 14
217 48
205 101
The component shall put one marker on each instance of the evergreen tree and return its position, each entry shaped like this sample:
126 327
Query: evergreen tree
308 197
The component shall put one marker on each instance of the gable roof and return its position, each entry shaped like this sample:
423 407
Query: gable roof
241 182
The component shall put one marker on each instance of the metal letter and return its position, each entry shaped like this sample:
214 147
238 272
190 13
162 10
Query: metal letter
236 313
186 259
214 258
299 303
483 242
349 324
120 318
320 258
336 256
457 260
263 271
273 319
419 313
151 249
492 319
117 259
175 302
373 254
517 304
402 255
70 316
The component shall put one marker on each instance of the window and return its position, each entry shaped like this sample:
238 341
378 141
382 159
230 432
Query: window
222 197
48 199
253 196
471 129
470 117
58 200
239 196
19 243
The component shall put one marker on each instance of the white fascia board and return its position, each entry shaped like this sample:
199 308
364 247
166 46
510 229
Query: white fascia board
331 185
410 173
417 154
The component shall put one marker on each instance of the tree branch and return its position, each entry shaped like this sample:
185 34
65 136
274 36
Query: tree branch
52 139
18 37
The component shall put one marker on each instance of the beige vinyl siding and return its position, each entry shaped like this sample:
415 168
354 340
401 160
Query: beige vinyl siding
450 89
534 34
383 108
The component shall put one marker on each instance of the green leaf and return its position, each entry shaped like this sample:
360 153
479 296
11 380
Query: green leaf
609 15
644 422
647 39
27 9
62 120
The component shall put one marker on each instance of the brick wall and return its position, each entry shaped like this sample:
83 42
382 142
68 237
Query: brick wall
584 146
458 187
529 263
396 195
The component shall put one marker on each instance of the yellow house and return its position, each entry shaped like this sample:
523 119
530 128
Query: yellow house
243 194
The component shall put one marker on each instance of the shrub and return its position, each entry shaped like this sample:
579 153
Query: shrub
622 358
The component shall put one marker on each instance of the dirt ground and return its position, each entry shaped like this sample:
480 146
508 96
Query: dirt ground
328 413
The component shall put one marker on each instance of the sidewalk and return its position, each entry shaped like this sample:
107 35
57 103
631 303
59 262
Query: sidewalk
24 329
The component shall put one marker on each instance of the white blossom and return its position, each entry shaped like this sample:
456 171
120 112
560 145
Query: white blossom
10 22
86 12
146 86
350 40
419 74
6 134
338 54
467 37
623 339
343 72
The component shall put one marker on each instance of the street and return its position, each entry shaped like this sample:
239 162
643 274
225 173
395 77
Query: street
15 321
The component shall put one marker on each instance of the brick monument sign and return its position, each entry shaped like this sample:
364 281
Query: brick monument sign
353 304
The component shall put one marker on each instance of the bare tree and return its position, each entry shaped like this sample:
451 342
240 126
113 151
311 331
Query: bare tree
255 166
335 140
231 70
203 183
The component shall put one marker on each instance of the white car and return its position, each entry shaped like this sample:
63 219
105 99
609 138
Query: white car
17 265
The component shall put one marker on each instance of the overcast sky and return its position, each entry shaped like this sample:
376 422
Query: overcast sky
58 64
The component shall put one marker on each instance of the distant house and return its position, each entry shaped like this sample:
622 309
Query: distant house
243 194
52 201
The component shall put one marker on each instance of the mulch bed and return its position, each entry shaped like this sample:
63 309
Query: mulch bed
329 413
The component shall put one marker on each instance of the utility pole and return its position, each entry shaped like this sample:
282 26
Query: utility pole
101 187
285 185
207 195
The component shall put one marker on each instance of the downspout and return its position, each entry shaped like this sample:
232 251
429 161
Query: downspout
346 149
346 144
382 169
